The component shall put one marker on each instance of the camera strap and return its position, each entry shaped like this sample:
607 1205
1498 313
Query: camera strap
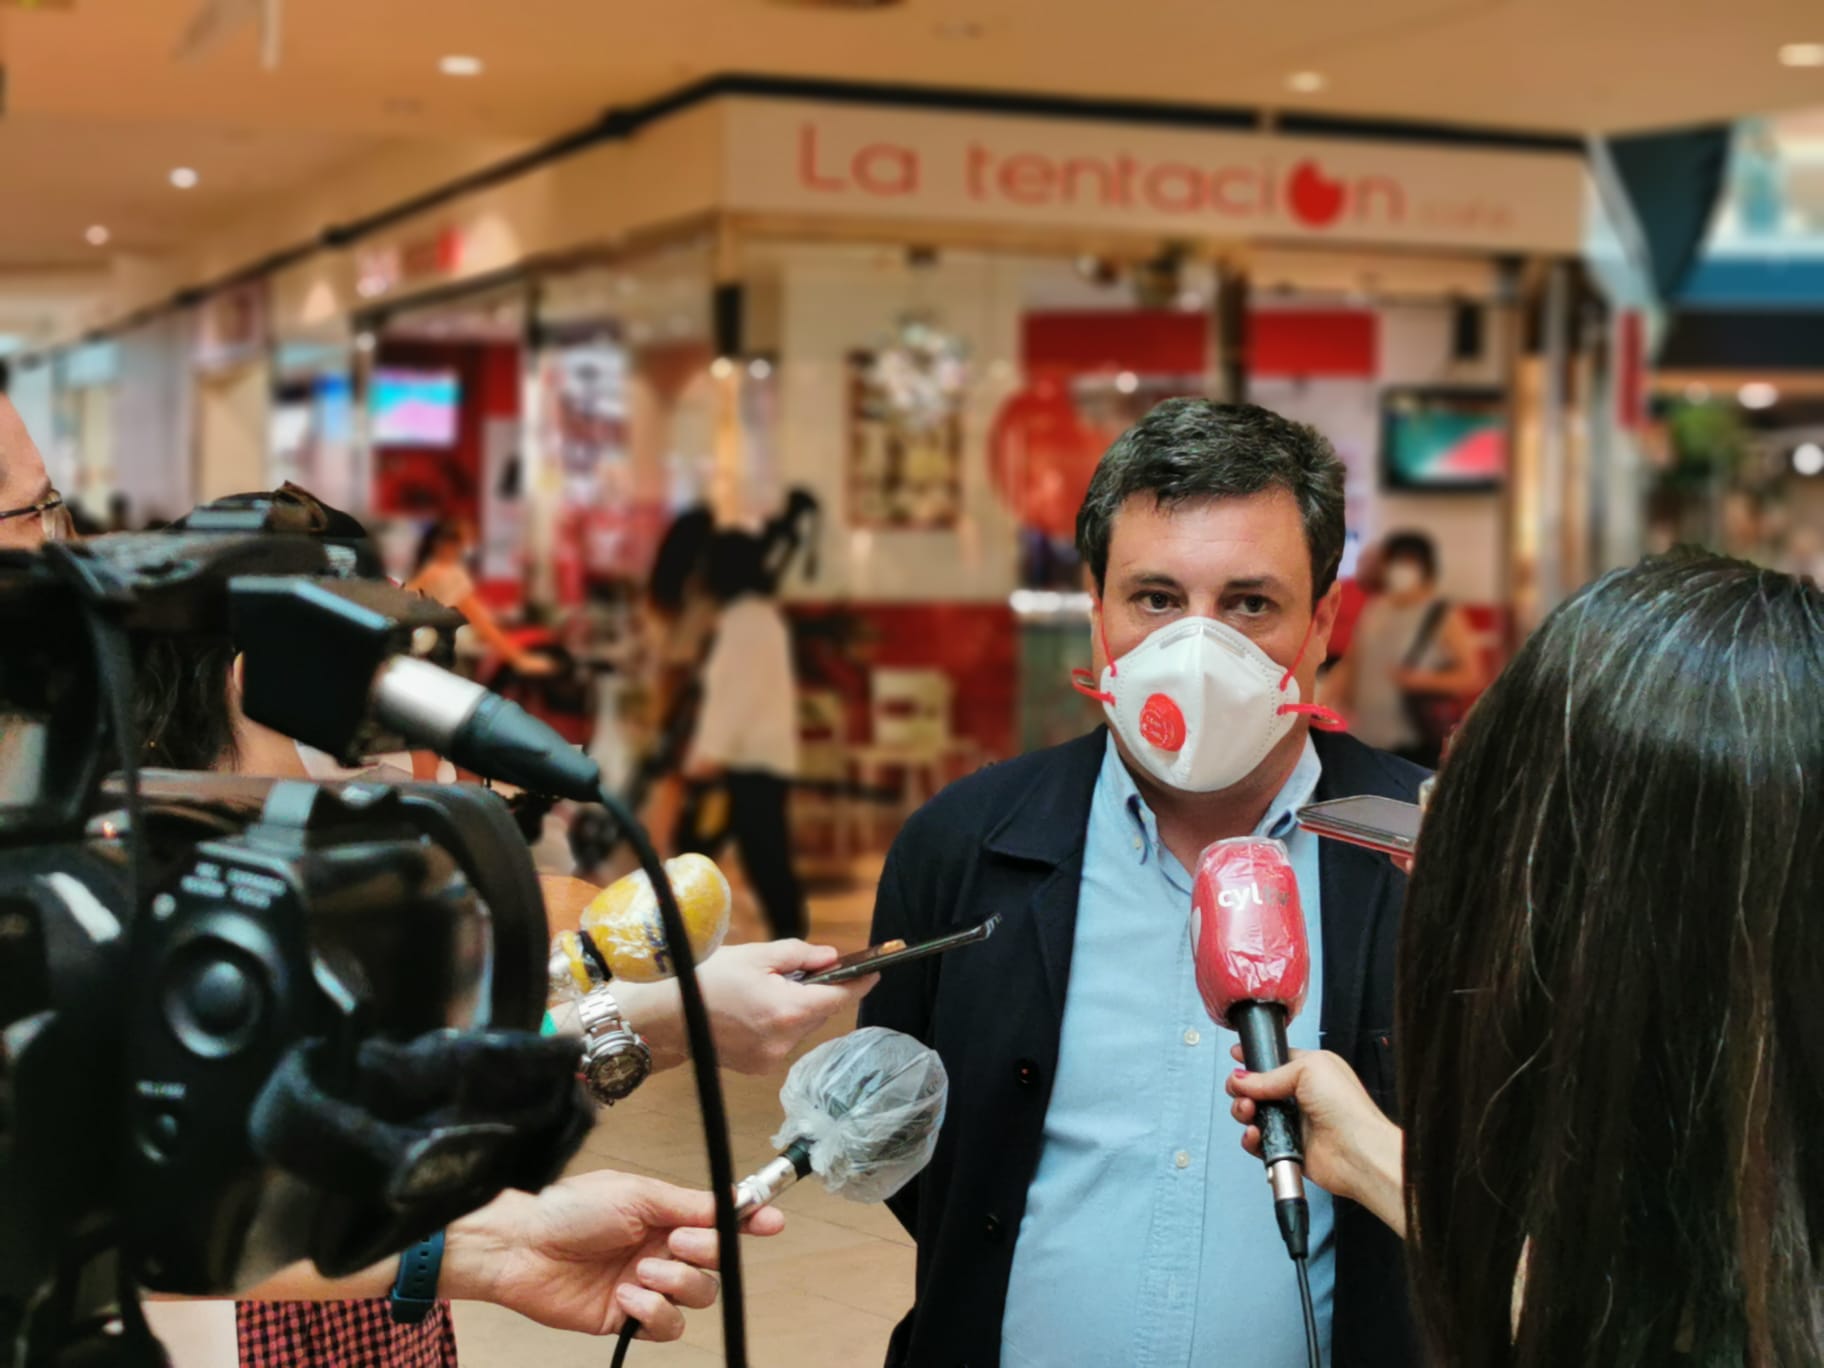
428 1130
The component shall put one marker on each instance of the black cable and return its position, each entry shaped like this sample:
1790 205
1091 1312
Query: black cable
709 1086
629 1329
1312 1355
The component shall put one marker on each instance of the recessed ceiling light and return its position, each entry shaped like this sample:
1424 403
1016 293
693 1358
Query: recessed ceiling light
1307 82
722 368
1757 394
959 28
1802 55
184 178
1808 458
760 368
97 236
458 64
1127 382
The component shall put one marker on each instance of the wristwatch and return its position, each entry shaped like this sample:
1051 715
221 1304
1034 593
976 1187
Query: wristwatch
615 1059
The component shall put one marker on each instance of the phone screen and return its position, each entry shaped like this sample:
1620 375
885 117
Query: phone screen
888 953
1384 824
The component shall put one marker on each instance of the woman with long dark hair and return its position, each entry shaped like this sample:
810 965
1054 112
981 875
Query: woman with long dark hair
1609 1039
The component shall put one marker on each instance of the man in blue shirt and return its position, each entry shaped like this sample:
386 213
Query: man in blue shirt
1089 1203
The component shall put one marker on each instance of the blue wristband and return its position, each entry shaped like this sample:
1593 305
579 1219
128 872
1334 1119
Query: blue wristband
415 1289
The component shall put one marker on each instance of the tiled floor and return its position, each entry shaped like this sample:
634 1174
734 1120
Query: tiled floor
824 1294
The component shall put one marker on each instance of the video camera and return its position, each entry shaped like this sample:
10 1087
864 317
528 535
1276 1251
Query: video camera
244 1022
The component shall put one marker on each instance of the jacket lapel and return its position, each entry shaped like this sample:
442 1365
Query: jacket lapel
1039 844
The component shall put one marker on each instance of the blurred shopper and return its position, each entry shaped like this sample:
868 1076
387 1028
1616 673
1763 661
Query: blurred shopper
1086 1205
1412 667
1610 1052
442 573
746 739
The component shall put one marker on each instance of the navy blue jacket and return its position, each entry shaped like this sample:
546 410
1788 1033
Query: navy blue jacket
1010 840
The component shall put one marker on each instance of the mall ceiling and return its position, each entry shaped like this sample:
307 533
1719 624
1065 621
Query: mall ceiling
103 98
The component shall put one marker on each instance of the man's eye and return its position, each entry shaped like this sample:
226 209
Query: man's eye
1156 601
1254 605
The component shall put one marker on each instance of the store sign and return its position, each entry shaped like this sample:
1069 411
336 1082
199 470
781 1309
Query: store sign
803 156
381 269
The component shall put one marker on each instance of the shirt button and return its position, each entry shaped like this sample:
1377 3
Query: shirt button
992 1228
1027 1072
1191 1037
1182 1159
1139 843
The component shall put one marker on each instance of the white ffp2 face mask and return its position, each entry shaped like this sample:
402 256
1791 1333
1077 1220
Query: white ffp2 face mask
1199 705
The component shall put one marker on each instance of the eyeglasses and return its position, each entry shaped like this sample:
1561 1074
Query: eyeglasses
53 516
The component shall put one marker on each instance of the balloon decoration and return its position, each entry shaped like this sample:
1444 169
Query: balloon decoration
1042 451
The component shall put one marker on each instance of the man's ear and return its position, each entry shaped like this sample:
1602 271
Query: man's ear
1324 619
237 679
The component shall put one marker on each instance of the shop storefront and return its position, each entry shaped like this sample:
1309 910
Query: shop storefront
935 319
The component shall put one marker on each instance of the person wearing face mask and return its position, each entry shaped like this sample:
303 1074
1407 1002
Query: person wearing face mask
1412 667
1081 1208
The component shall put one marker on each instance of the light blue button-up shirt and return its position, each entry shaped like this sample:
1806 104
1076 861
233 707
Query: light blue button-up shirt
1149 1239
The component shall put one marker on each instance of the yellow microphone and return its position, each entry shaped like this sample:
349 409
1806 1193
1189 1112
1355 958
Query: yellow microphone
620 934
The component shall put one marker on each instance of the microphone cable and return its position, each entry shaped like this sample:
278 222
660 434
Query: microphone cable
1313 1357
709 1090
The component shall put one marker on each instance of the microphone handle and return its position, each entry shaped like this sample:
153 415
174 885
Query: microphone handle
1262 1027
761 1187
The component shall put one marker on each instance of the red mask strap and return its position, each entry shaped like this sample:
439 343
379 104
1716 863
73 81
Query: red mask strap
1324 719
1108 655
1085 683
1292 669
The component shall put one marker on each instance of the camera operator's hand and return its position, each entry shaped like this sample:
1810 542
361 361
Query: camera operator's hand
758 1016
590 1251
1351 1148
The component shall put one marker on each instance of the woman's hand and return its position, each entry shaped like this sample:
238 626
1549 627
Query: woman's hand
587 1253
1351 1149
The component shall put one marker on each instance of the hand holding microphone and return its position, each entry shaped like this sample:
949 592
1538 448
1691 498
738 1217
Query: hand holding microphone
1253 968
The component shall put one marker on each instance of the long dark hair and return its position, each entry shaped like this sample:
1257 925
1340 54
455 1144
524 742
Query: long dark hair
1610 1043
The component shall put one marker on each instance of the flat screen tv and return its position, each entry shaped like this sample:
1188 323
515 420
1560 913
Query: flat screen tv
1443 440
414 408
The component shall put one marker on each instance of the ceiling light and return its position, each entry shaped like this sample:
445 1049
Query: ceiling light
760 368
721 368
1306 82
1808 458
364 341
1802 55
1757 394
184 178
97 236
457 64
1127 382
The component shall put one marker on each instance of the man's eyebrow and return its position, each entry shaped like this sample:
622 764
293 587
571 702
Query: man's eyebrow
1269 582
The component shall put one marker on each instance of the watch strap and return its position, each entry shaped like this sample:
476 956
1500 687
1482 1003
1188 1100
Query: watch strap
415 1288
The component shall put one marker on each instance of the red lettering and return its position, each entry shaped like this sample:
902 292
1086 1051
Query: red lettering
807 162
1027 178
1076 166
1189 195
978 164
1245 180
1385 189
1124 180
886 169
1269 188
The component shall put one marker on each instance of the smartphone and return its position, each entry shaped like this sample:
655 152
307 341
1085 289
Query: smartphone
1383 824
888 953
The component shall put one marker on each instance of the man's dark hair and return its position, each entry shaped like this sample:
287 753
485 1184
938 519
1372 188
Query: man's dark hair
1196 449
1412 546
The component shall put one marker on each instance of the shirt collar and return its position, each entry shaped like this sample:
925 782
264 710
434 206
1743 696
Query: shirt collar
1116 784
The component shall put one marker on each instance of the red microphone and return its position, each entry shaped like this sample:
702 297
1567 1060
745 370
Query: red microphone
1253 968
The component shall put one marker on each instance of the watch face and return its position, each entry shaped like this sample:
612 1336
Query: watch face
615 1073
